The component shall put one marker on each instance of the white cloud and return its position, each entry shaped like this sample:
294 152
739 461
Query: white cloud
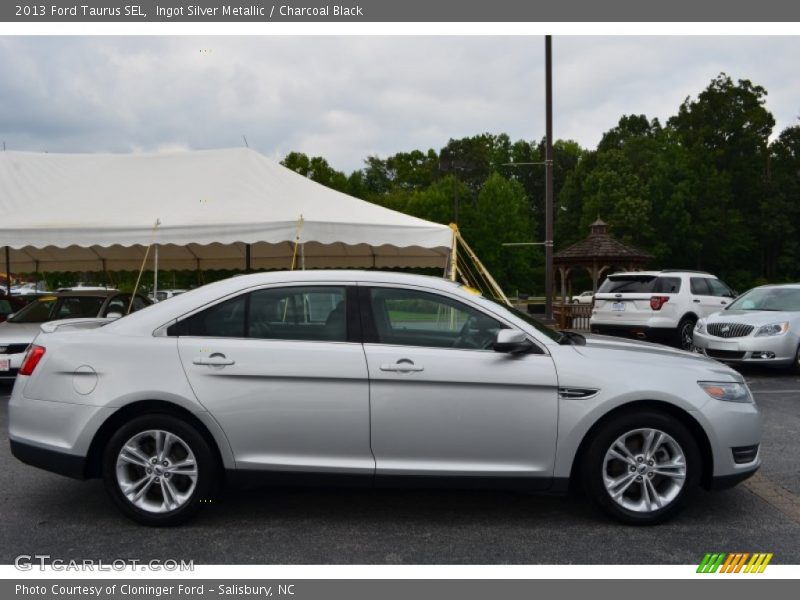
347 97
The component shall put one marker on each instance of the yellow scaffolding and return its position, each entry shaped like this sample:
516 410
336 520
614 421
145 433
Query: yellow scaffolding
469 269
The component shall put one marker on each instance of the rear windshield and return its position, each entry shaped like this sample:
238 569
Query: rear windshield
640 284
51 308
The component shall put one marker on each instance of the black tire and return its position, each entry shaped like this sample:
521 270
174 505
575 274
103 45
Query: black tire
685 333
795 366
205 458
593 465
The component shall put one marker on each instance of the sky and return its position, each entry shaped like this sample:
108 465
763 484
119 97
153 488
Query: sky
346 98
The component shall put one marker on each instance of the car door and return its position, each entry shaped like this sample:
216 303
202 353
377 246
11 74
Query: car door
707 296
442 402
283 372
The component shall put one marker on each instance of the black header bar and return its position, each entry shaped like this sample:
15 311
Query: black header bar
464 11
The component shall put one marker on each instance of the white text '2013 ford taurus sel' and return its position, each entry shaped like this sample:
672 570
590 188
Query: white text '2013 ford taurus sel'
372 376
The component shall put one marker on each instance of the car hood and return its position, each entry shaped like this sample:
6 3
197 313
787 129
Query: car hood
605 342
18 333
752 317
625 352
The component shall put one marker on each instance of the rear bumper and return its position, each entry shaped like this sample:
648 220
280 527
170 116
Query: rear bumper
69 465
9 375
637 332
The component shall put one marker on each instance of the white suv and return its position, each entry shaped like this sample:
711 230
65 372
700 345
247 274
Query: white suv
659 306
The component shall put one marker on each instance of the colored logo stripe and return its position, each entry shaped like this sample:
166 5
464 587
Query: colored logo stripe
734 562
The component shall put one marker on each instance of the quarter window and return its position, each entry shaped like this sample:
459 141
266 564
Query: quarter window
414 318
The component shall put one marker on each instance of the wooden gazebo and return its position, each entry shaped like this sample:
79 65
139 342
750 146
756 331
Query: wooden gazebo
598 253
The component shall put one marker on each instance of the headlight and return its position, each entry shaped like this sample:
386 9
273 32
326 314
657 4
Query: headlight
728 391
700 327
773 329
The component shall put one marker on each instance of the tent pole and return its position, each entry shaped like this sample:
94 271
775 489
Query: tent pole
454 252
155 272
8 270
248 267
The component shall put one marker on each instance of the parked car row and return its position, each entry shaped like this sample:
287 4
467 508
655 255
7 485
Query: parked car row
375 377
696 311
23 324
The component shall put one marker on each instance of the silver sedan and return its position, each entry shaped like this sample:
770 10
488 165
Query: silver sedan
376 377
759 327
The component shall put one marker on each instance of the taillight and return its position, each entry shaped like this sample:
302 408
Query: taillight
32 358
656 302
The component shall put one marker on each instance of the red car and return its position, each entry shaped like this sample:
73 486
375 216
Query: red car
9 305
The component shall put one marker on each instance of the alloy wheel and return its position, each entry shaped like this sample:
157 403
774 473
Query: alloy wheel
156 471
644 470
687 337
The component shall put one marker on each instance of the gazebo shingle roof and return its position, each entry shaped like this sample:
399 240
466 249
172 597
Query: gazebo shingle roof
600 245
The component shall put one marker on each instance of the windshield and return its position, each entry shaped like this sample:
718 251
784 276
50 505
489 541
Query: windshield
51 308
779 299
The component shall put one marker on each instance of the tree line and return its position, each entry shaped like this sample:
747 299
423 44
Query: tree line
708 189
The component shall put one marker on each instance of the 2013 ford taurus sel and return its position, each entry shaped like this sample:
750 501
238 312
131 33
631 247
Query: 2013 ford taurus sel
390 377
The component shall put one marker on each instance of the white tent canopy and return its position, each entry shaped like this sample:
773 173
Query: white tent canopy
96 212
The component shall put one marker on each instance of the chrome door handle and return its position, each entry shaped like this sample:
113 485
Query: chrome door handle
402 367
213 360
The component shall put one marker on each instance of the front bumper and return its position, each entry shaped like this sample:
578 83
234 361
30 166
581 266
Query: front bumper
724 482
732 429
779 350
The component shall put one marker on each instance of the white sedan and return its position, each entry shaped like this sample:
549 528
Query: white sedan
376 377
583 298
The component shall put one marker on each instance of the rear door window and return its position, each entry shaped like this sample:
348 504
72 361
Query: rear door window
226 319
298 313
699 286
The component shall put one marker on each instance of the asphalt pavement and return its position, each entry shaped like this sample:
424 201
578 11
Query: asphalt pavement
44 513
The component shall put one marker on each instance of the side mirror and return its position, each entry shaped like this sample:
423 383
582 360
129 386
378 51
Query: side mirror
511 341
114 315
10 316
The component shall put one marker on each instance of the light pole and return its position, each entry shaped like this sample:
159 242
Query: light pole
548 179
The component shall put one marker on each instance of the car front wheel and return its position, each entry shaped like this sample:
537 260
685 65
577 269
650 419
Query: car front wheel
641 468
158 469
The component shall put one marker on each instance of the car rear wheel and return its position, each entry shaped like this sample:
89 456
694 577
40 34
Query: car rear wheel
159 469
686 333
641 468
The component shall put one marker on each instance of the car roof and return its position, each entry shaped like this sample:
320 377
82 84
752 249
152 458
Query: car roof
788 286
160 313
665 272
82 293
